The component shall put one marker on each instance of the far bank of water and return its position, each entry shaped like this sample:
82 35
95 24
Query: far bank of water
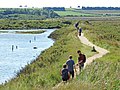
17 50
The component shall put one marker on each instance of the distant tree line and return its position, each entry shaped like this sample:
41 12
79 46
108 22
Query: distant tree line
16 13
100 8
54 8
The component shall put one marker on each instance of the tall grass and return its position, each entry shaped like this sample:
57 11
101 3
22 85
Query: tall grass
103 73
44 72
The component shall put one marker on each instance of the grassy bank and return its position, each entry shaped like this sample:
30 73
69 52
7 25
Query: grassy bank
8 24
106 34
104 72
44 72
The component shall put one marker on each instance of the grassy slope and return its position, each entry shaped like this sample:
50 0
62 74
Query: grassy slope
102 74
105 71
106 34
44 72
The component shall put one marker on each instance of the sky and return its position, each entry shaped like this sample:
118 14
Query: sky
58 3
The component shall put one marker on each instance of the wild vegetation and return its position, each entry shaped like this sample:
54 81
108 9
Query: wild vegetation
32 24
104 72
26 13
71 12
100 8
44 72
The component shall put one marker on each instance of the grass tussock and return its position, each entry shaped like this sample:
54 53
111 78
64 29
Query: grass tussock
103 74
76 85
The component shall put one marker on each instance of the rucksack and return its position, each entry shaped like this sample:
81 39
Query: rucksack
65 74
84 58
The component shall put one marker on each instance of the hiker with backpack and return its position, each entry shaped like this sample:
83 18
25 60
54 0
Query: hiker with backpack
65 73
81 59
71 64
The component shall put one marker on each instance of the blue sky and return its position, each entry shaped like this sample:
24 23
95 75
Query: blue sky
58 3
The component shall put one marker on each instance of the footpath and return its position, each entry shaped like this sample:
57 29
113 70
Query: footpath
101 52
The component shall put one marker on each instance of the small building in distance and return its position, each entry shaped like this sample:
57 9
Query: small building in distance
54 8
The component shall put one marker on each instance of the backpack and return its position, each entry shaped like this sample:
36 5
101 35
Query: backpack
80 30
84 58
65 74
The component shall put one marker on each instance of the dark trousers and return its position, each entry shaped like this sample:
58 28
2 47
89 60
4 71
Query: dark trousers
72 73
81 66
64 79
79 33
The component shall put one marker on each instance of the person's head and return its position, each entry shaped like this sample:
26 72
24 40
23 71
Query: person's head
79 52
64 65
70 57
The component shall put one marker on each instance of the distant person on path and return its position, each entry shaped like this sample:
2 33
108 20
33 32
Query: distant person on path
79 31
76 25
71 65
65 73
81 59
93 50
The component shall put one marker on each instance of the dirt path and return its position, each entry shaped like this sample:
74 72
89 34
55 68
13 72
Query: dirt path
100 50
100 53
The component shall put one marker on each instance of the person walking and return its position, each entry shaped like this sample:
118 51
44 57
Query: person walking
70 62
65 73
81 59
77 25
79 31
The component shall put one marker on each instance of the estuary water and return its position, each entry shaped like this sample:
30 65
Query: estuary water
17 50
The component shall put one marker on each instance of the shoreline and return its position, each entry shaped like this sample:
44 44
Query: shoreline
20 70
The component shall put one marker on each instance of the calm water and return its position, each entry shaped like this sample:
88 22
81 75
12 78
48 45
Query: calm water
16 50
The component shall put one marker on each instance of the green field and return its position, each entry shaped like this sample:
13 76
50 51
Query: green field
102 11
88 13
73 13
